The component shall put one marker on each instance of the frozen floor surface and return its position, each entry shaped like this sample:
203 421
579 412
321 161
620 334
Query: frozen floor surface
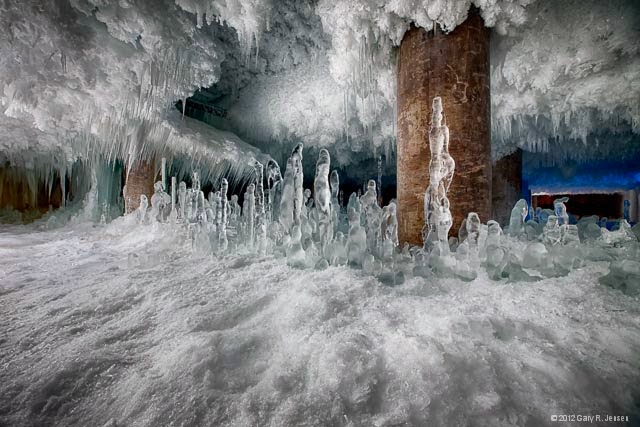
99 327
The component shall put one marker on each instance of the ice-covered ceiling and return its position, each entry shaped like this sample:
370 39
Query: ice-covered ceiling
84 76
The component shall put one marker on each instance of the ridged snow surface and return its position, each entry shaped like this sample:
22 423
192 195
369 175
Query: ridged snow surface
111 326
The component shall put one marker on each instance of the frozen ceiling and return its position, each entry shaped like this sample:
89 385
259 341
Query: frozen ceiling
79 77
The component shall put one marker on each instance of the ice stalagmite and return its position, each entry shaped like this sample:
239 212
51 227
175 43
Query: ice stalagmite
174 212
552 234
142 210
249 214
182 199
221 218
261 220
274 182
473 231
389 230
294 251
234 211
323 199
438 219
448 164
354 202
201 214
357 240
518 214
334 180
392 225
158 202
188 205
560 209
372 215
298 182
195 181
259 171
285 216
212 206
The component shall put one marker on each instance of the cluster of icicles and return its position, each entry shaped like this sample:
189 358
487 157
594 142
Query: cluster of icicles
284 219
315 232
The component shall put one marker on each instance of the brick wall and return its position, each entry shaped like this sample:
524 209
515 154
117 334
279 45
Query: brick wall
140 180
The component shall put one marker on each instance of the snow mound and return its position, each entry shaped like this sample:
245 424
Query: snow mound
104 326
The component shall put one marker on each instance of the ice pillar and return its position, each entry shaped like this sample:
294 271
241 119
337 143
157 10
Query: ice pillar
454 66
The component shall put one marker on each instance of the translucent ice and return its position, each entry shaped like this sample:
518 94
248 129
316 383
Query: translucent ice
438 219
518 214
323 199
221 216
357 240
560 210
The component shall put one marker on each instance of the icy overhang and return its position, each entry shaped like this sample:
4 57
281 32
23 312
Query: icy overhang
321 72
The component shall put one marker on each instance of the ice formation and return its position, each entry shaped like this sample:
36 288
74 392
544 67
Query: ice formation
309 229
437 215
322 199
88 90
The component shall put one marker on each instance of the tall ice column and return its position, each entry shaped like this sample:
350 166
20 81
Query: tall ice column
455 67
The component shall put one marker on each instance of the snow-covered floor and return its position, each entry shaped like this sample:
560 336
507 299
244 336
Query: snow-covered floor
102 327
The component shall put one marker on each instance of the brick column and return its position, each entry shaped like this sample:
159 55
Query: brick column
506 186
454 66
140 180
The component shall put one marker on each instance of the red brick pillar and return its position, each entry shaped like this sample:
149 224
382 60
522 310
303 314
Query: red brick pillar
506 186
140 180
454 66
